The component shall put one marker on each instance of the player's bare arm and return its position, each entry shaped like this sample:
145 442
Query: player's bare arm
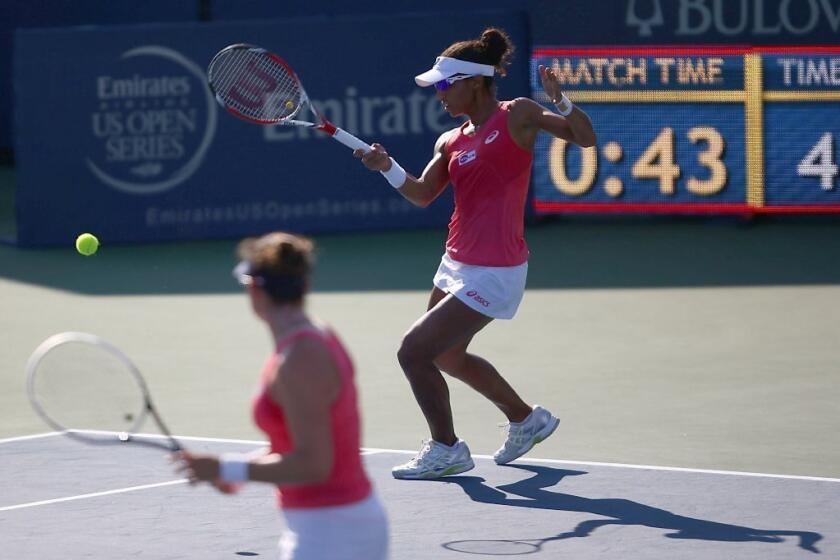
308 386
529 117
420 191
306 389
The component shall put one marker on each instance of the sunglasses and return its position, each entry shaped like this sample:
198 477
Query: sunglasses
242 274
279 284
446 83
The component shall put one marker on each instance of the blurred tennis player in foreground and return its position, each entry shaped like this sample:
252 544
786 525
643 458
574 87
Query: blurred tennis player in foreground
482 273
307 406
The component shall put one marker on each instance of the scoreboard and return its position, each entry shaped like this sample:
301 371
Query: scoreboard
701 129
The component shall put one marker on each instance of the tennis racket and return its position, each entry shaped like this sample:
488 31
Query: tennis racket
260 87
88 389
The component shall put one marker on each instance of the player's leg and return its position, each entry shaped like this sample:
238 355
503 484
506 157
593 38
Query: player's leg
527 425
480 374
447 324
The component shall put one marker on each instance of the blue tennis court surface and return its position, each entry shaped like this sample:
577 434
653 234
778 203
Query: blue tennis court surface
63 500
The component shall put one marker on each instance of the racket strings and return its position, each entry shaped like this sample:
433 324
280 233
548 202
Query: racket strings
255 85
83 387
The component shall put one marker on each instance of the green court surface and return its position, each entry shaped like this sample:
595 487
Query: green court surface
7 204
698 343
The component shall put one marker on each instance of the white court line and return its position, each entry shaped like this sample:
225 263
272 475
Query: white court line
94 495
375 450
371 451
153 436
24 438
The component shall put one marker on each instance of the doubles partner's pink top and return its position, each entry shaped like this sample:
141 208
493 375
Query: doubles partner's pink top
490 174
348 481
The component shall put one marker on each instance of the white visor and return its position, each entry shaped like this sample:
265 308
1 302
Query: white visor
446 67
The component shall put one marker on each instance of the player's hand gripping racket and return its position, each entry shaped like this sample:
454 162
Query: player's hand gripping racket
260 87
88 389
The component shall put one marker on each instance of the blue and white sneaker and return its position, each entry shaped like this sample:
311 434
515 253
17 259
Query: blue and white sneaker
522 436
436 460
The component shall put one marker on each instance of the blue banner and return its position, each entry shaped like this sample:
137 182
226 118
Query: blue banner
118 134
685 22
17 14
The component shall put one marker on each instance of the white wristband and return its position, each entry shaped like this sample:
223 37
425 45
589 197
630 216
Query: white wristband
233 467
564 106
395 175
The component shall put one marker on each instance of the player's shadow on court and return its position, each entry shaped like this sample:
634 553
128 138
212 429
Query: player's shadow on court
533 494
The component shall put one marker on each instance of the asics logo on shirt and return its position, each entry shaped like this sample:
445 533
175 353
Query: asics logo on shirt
474 295
492 136
466 157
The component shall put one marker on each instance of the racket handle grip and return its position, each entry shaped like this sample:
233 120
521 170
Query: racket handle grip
351 141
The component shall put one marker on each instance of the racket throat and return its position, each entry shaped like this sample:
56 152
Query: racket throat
329 128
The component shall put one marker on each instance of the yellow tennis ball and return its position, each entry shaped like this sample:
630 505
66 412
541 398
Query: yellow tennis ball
87 244
290 104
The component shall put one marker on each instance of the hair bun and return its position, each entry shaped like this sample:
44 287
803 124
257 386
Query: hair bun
498 47
493 37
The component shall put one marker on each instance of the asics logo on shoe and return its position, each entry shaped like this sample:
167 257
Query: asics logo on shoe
474 295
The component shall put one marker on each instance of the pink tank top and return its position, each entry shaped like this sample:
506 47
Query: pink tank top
490 174
348 481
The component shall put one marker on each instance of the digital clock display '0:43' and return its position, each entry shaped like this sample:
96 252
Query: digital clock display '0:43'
648 153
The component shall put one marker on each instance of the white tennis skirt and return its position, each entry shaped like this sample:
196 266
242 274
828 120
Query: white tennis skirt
357 531
495 291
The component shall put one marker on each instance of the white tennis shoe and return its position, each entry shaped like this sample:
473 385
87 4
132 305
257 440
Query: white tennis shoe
436 460
522 436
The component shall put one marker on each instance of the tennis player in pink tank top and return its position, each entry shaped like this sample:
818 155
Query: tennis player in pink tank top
482 274
307 406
